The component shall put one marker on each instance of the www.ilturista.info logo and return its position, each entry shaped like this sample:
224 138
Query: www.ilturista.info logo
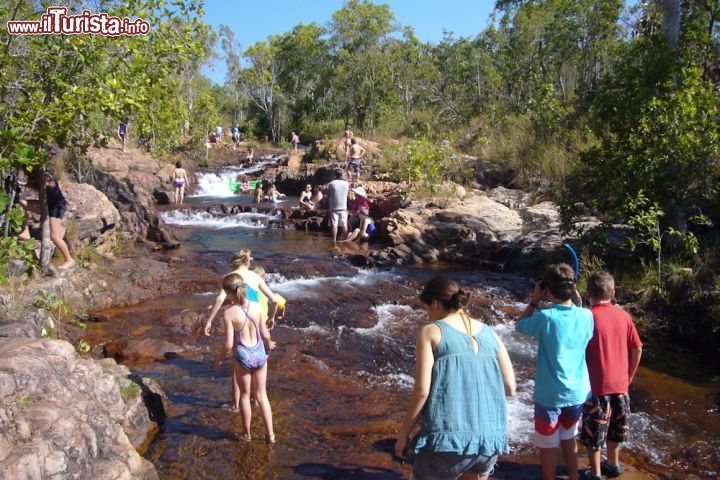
57 21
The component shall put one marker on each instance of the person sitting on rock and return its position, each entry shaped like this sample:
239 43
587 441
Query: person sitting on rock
366 230
305 199
273 196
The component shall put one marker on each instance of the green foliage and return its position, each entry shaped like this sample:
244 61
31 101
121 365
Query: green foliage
429 163
54 304
83 346
129 390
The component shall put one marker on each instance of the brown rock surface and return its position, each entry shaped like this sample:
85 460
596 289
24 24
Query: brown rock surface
62 415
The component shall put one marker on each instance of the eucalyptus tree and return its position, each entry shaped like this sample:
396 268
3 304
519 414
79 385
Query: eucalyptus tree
305 74
260 81
568 43
412 71
361 80
233 55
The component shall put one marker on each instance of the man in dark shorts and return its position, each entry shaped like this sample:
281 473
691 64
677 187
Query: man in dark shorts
612 358
354 165
123 132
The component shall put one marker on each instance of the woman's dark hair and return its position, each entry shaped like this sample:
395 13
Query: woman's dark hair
560 280
178 164
445 291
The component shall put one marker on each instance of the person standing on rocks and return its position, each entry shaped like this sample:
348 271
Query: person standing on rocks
180 179
57 206
245 330
240 263
294 140
462 375
356 155
562 384
122 133
612 356
347 141
338 193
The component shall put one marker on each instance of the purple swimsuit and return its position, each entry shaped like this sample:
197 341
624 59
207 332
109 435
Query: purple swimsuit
253 357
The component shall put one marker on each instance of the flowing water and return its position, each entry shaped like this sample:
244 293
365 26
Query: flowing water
341 375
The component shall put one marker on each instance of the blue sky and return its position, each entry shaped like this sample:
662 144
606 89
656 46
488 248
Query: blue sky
253 21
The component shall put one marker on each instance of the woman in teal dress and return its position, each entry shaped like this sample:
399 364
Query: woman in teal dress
462 377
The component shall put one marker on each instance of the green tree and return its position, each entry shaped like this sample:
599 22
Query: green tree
54 87
361 79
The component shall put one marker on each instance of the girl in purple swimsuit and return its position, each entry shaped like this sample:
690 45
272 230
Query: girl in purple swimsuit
245 330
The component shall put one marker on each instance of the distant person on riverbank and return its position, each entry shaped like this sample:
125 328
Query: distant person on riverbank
245 330
354 165
338 193
294 140
462 376
180 180
612 356
347 141
359 201
250 156
562 384
235 132
258 193
122 132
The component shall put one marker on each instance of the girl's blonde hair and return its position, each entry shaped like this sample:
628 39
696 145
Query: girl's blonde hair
234 286
242 257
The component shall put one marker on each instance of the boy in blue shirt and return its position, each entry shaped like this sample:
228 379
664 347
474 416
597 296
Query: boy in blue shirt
561 380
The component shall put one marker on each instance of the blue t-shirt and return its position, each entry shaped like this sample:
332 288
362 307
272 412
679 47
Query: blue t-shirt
563 332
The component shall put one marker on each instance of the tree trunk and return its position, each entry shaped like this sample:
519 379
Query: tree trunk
46 246
671 22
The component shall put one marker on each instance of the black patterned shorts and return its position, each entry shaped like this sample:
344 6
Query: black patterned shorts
605 417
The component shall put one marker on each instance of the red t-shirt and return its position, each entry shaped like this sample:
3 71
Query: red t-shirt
607 355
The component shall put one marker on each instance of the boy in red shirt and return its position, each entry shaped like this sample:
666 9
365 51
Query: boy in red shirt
612 358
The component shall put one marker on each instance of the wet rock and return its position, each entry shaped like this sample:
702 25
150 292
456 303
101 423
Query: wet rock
145 349
62 415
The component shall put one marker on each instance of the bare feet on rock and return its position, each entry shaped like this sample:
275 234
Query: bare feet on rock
67 265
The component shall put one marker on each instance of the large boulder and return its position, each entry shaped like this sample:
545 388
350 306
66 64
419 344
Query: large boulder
63 416
502 228
132 181
95 219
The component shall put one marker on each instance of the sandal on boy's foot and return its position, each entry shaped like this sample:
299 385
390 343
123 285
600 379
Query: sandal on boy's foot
610 471
587 475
